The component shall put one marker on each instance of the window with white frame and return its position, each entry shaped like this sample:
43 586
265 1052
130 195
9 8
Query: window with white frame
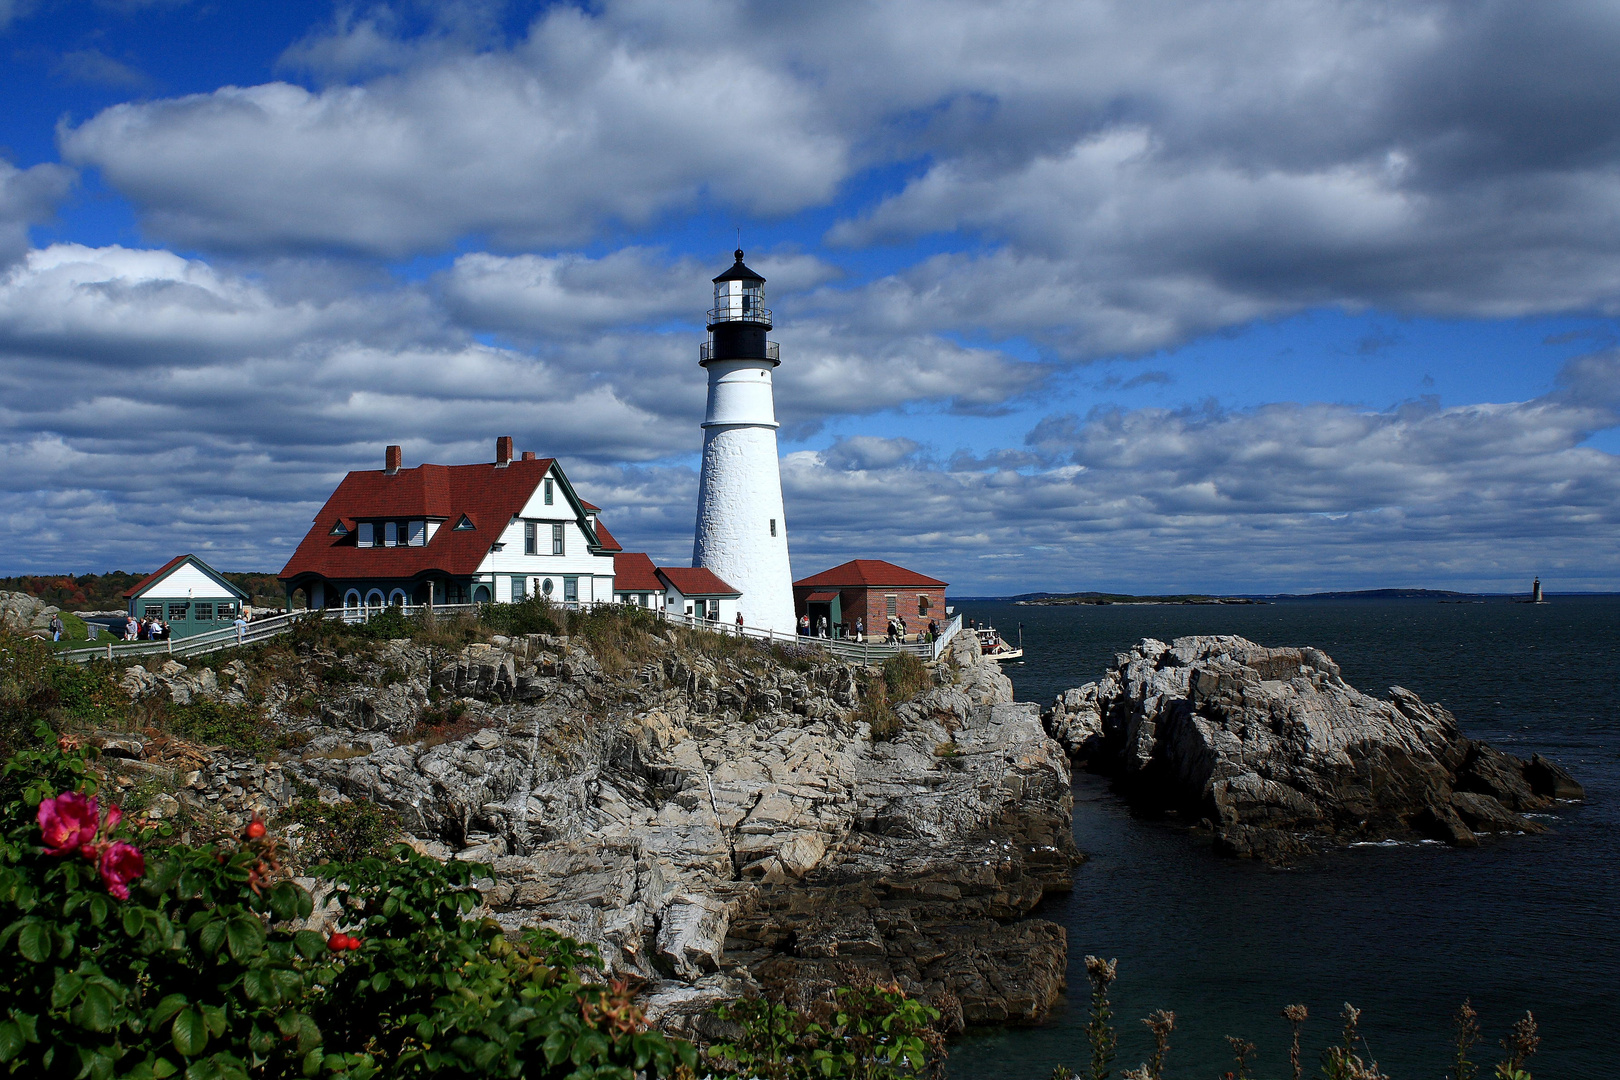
390 534
557 539
891 605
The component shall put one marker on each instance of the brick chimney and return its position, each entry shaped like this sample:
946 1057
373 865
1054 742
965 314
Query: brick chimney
528 455
391 460
503 451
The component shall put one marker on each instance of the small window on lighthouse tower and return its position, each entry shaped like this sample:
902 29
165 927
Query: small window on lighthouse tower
773 526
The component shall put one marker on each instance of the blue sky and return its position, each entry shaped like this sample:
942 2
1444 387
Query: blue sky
1237 297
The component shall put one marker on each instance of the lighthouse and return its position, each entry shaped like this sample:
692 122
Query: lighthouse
741 531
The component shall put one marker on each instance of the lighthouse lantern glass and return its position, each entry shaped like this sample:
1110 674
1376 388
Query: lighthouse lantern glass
739 299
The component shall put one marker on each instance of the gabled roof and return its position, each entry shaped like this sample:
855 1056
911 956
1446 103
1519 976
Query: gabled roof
487 495
868 574
634 572
169 567
694 581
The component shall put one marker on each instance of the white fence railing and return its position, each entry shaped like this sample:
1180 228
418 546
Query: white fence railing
232 637
844 648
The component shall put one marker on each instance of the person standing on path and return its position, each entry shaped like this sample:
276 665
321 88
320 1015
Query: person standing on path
56 628
241 626
739 624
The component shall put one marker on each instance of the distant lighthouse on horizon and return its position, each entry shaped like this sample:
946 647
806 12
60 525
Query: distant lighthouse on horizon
741 533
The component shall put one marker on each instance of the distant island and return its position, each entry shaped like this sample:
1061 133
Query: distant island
1063 599
1051 599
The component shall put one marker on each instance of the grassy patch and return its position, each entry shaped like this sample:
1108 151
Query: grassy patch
621 638
343 832
212 723
35 685
442 723
905 676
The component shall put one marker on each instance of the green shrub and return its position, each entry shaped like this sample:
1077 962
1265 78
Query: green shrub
216 723
532 615
905 676
866 1032
201 968
344 832
35 684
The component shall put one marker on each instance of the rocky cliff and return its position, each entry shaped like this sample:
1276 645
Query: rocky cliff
25 613
1278 755
713 820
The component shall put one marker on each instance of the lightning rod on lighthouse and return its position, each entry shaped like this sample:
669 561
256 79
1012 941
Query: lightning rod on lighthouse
741 530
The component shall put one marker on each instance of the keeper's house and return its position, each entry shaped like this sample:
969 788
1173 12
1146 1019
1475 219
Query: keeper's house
189 595
872 591
454 534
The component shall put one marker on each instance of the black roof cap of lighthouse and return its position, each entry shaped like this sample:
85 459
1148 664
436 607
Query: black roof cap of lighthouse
738 272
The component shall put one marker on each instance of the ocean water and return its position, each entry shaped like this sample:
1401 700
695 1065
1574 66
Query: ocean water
1403 932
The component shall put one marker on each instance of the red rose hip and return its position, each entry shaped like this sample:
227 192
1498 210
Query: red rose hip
354 943
338 942
255 829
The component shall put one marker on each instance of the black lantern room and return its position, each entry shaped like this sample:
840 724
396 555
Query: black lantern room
739 320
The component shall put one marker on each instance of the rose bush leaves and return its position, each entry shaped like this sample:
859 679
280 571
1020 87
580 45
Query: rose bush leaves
205 973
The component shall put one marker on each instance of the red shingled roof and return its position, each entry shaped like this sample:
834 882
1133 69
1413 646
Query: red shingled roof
634 572
869 573
604 538
694 581
490 497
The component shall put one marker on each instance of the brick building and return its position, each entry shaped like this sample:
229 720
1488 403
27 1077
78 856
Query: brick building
873 592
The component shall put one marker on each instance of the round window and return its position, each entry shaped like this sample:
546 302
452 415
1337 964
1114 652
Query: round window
545 586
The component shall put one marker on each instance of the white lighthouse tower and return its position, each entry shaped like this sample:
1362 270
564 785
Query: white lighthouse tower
741 530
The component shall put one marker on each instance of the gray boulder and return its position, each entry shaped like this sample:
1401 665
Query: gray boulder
1278 755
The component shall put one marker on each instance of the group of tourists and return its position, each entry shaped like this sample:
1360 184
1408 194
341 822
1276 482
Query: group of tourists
823 628
899 632
153 628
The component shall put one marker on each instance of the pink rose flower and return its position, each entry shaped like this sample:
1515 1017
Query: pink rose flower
68 822
120 865
114 816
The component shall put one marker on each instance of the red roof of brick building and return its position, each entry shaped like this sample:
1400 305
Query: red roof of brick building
868 574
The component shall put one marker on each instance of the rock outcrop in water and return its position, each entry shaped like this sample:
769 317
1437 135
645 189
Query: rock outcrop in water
1280 756
713 822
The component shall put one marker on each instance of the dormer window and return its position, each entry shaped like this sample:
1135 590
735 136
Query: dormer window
391 534
339 529
368 534
464 524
